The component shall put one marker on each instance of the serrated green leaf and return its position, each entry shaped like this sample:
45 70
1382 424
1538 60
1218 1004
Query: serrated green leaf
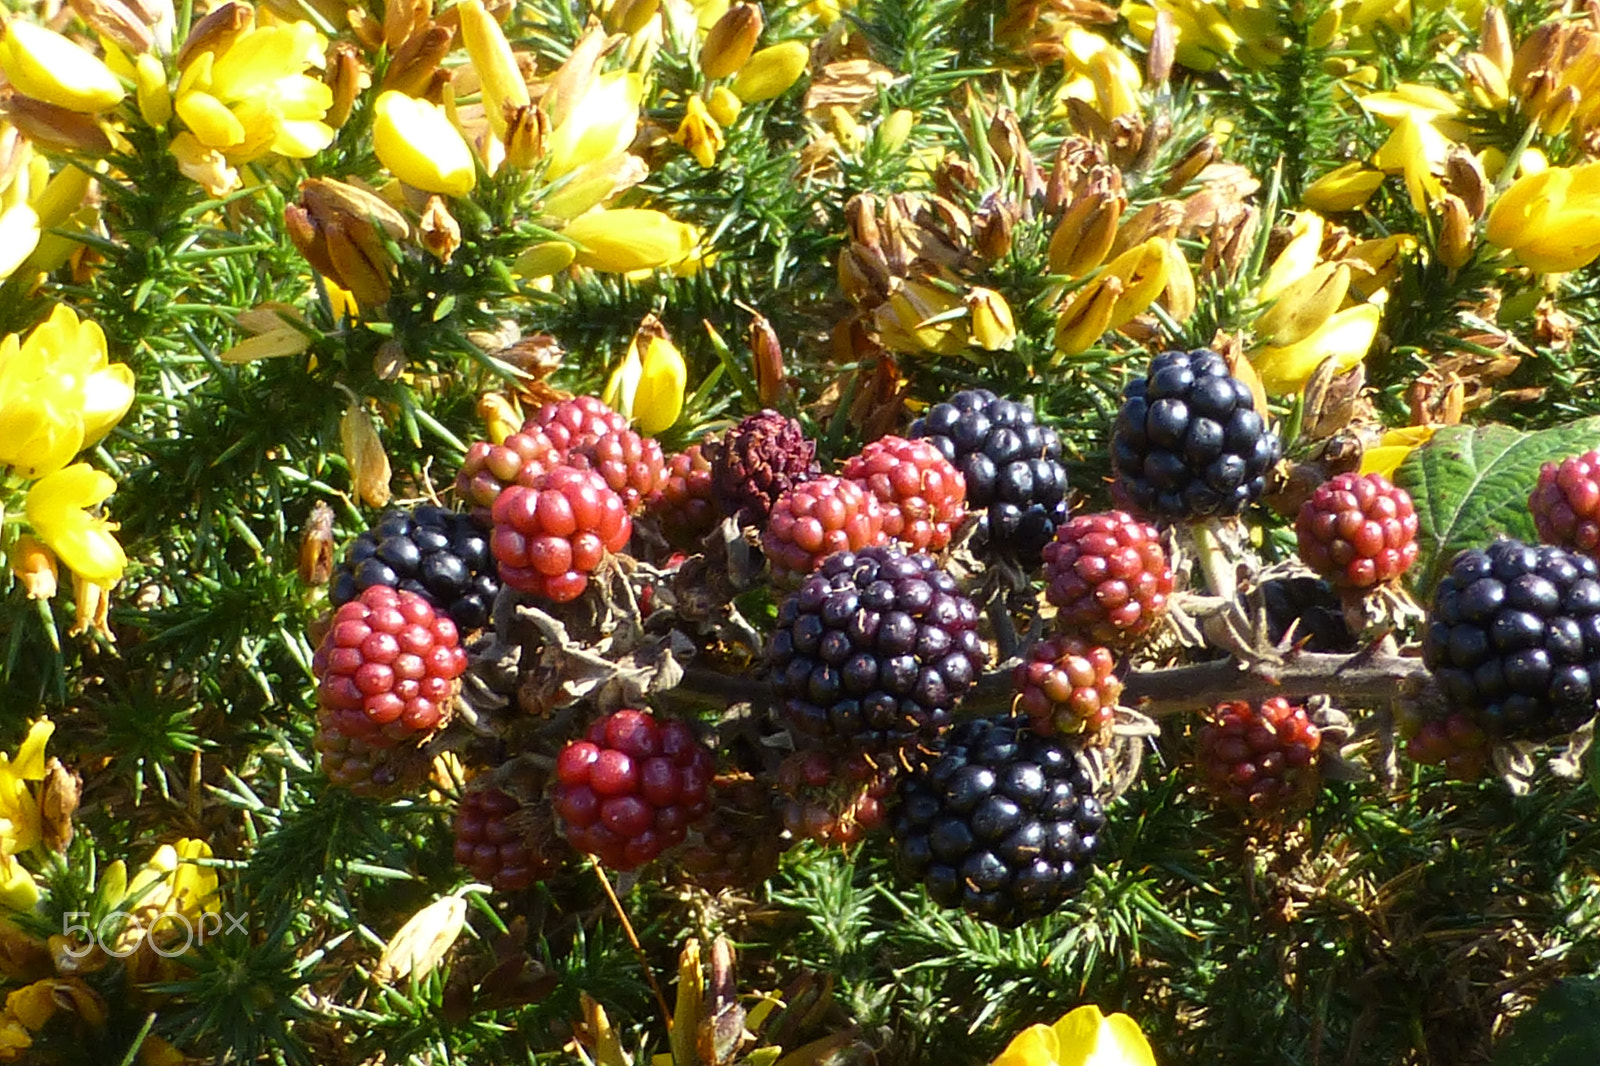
1471 484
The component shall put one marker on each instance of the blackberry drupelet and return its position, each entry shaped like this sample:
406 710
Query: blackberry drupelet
1012 466
1188 441
998 821
1513 638
874 649
440 555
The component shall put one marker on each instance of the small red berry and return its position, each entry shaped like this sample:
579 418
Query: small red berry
922 494
684 506
1259 757
1068 685
816 518
1108 577
631 788
538 560
1566 503
1358 531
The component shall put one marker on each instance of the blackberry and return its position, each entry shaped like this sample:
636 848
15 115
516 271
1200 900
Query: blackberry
1108 577
998 821
874 649
550 536
1067 685
488 469
1358 531
685 508
440 555
739 843
1454 741
1312 607
1513 639
366 769
757 461
631 787
923 496
814 520
1012 466
1188 441
1566 503
1259 758
504 841
833 799
591 436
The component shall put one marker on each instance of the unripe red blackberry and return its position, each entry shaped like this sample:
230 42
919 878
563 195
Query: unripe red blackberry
998 821
1108 577
503 842
874 650
589 435
833 799
364 769
1358 530
1566 504
490 468
739 843
1259 757
387 667
814 520
1068 685
549 537
757 461
685 507
924 497
632 787
1455 742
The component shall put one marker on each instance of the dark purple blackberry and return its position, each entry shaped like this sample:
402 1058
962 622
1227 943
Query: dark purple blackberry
1012 465
1513 639
874 649
1188 441
440 555
998 821
757 461
1314 605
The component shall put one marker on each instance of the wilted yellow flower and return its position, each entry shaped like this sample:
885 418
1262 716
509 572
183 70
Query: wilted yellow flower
649 384
625 239
1550 219
699 133
993 328
58 393
1344 337
34 567
57 507
421 943
1087 314
599 125
44 65
420 146
251 97
364 454
730 41
771 71
1085 1037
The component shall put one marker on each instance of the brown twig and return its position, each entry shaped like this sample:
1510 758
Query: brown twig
1362 678
633 941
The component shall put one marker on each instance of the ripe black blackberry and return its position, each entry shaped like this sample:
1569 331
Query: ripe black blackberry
440 555
1311 605
998 821
1513 638
874 649
1188 441
1012 465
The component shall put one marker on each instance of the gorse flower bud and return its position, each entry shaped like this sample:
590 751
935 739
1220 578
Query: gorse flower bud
731 40
626 239
771 71
420 146
492 58
648 385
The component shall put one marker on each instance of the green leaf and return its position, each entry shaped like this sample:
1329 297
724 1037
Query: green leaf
1562 1028
1471 484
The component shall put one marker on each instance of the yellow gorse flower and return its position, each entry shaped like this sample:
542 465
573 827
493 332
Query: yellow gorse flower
19 799
600 124
626 239
1550 219
58 508
46 66
420 146
58 393
1085 1037
250 96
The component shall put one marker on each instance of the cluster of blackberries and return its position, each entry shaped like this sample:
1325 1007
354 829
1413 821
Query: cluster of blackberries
998 821
874 649
1012 466
1188 442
